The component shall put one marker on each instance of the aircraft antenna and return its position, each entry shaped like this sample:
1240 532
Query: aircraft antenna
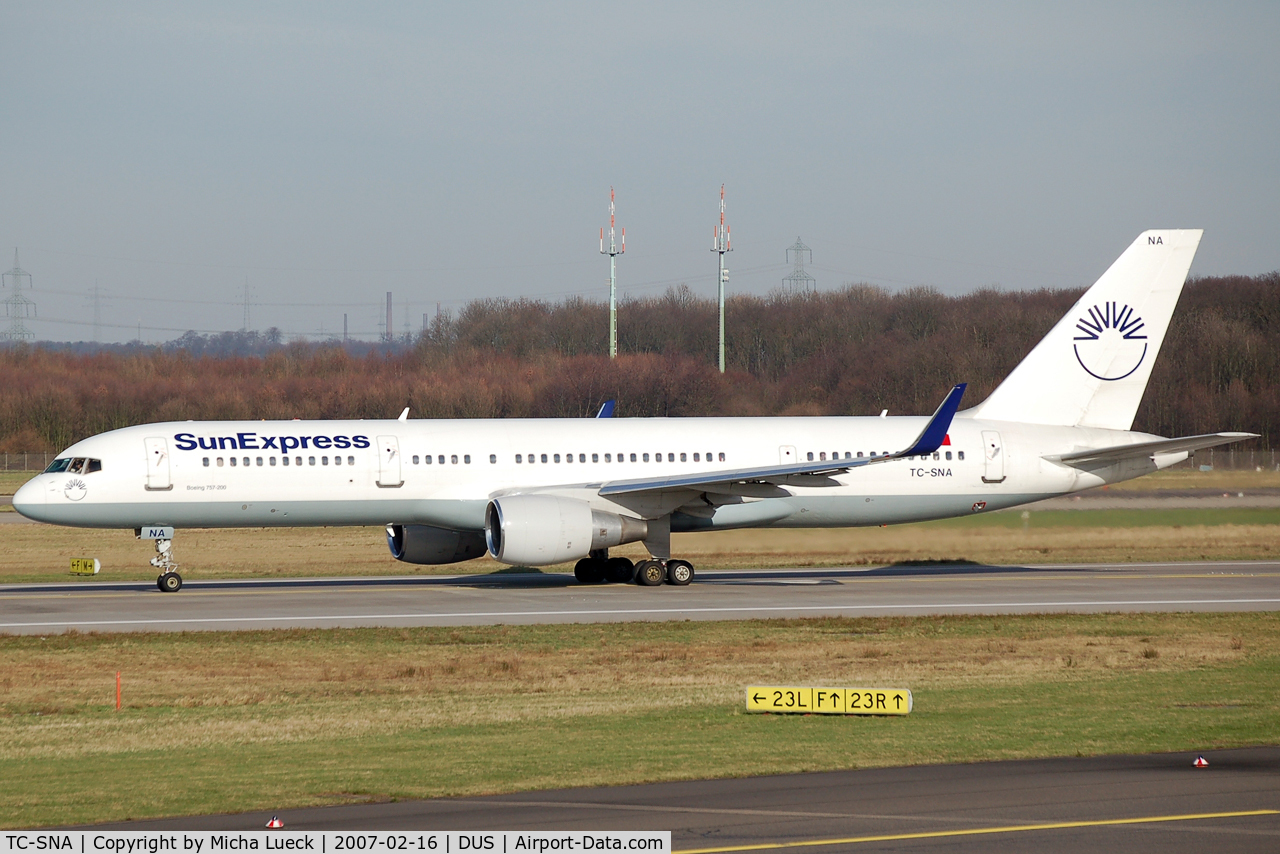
613 252
18 308
720 246
799 280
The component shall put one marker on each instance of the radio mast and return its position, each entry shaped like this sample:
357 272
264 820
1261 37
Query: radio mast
613 252
721 245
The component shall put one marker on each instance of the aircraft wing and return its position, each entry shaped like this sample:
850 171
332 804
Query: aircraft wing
816 473
1141 450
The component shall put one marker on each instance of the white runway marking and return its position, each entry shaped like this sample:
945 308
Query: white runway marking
831 609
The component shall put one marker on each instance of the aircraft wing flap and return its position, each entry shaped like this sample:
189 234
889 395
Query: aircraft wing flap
1148 449
929 440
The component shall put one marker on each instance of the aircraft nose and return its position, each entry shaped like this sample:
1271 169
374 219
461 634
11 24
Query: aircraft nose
28 499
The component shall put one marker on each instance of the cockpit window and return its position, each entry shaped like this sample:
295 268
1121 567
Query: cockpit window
74 465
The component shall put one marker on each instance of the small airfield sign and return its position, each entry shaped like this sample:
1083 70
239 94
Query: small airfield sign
85 566
798 700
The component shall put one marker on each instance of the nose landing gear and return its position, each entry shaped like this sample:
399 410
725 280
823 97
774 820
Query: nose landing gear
169 581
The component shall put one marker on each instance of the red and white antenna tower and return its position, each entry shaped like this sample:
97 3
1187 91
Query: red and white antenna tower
613 252
720 245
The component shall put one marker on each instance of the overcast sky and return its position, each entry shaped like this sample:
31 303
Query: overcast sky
326 153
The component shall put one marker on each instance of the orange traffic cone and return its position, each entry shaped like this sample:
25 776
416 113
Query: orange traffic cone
275 822
1200 762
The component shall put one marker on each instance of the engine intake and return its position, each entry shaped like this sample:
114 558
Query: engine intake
426 544
539 530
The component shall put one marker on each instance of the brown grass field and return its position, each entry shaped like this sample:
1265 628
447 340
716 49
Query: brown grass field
268 720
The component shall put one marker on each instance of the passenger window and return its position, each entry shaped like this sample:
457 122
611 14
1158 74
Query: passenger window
284 460
608 458
311 461
466 459
206 462
722 456
440 459
671 458
427 459
684 457
568 458
859 454
582 458
708 456
493 458
519 458
948 455
415 459
544 458
259 461
657 458
297 461
960 455
633 457
810 455
697 457
936 455
595 458
324 461
337 461
351 461
273 460
646 458
233 461
246 461
453 458
822 455
219 462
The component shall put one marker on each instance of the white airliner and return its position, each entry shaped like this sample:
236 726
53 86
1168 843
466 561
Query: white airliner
546 491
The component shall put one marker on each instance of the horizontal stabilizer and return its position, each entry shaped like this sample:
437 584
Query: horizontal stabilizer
1115 453
813 473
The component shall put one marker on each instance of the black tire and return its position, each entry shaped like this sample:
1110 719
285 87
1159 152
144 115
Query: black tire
650 573
170 582
160 583
589 571
679 572
619 570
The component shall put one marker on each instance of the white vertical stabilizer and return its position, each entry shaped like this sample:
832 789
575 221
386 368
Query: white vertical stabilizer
1093 366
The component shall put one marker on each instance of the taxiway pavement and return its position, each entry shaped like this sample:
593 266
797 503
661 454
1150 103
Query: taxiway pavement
1154 803
523 598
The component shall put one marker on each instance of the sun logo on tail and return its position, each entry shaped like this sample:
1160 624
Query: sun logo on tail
1111 345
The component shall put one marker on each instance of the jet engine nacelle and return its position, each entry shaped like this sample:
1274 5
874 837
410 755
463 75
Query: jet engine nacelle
539 530
425 544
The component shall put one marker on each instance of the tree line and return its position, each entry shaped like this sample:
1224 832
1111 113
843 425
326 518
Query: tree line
852 351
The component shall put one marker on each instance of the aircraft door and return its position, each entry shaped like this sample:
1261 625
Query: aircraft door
158 464
389 462
786 455
993 457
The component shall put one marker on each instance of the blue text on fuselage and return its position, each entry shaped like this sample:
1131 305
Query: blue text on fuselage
251 441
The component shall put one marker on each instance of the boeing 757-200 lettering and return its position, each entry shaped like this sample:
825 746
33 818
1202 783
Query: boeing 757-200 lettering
546 491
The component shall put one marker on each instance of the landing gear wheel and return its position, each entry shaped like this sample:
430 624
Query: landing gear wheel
619 570
650 573
589 570
679 572
170 582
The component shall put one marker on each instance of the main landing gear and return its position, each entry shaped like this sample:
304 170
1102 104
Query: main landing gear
169 580
599 567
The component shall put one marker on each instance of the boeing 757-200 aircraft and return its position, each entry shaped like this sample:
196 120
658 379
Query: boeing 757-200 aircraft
545 491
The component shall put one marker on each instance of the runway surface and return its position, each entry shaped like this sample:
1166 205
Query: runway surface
1157 803
556 598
